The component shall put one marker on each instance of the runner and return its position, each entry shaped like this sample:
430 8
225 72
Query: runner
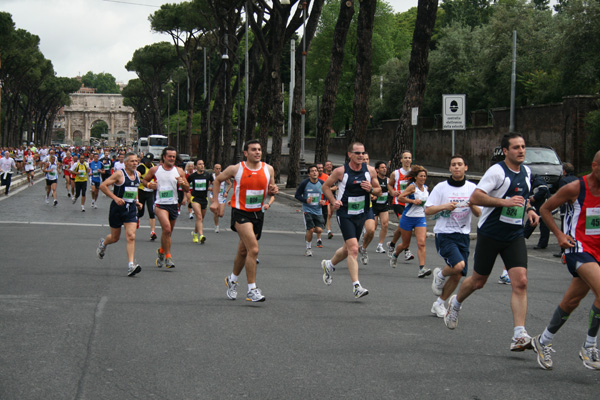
146 196
369 229
356 182
66 167
51 170
7 165
253 182
168 178
449 202
199 183
96 168
30 166
381 205
413 217
80 170
327 170
222 198
120 163
581 241
502 192
397 184
309 194
123 210
106 166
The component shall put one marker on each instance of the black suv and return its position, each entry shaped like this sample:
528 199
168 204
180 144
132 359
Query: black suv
542 161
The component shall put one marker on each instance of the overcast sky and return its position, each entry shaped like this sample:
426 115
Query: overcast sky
96 35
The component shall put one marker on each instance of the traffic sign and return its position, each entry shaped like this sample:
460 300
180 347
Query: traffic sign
454 115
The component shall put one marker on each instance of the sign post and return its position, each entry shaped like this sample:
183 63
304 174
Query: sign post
454 115
414 121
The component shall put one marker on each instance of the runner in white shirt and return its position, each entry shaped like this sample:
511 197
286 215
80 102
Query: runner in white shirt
449 202
7 164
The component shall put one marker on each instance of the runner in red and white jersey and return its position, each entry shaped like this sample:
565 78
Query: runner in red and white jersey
396 185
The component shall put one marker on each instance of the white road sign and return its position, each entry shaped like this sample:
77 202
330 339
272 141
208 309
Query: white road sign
454 115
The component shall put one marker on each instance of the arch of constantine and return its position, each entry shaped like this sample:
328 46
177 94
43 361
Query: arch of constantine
86 109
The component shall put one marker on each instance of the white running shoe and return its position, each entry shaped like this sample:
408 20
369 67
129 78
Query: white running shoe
451 317
390 249
393 261
439 310
47 200
217 229
364 256
231 288
360 291
308 253
408 255
379 249
134 269
255 295
423 272
544 353
590 357
521 343
437 285
327 278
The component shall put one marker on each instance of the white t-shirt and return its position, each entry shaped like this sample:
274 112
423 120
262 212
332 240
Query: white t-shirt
119 165
457 220
6 165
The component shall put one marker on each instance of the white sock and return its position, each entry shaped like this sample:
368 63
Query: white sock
308 244
440 301
440 275
233 278
504 273
456 305
356 283
251 286
131 264
518 331
546 337
590 341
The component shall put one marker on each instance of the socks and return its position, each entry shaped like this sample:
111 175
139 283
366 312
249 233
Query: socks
233 277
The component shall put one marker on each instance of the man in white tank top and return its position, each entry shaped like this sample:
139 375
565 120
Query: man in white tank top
168 178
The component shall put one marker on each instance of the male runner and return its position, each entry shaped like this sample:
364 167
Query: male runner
381 206
355 181
96 168
449 202
7 165
502 192
80 170
199 181
146 196
106 166
168 178
119 164
123 210
368 231
581 241
327 170
253 182
396 185
309 194
222 198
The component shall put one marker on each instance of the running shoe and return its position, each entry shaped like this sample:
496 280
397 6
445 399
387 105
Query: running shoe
423 272
439 310
451 317
408 255
74 200
504 279
134 269
329 235
364 256
47 200
82 209
169 263
202 239
255 295
257 261
217 229
361 239
55 203
390 249
191 215
160 261
544 356
231 288
393 261
437 285
590 357
379 249
308 253
319 243
101 249
360 291
521 343
327 278
68 194
153 236
194 237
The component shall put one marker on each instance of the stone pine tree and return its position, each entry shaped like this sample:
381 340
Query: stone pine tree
418 69
364 63
332 80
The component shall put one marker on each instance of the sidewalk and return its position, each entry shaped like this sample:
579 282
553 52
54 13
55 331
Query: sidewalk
18 181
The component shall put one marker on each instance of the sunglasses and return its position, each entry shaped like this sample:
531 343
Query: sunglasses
359 153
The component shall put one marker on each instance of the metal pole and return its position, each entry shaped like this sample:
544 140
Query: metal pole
453 137
177 114
303 112
204 51
246 78
292 84
513 82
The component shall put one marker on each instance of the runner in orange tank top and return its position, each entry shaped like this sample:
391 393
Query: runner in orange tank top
253 182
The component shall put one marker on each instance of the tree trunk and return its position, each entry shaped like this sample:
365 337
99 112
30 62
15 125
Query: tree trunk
332 80
418 70
362 82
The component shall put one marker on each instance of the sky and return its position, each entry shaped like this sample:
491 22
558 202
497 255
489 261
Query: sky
97 35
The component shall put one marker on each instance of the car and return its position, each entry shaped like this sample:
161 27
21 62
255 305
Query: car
542 161
184 159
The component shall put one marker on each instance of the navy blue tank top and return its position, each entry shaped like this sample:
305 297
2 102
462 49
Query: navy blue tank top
355 200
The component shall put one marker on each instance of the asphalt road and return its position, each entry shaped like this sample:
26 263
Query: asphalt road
75 327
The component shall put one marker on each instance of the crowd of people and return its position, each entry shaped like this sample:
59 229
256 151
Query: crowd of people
508 202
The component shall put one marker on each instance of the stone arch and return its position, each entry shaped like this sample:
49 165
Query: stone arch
78 138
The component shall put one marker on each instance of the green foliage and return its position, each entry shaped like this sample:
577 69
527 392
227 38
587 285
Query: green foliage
103 82
98 129
592 127
471 13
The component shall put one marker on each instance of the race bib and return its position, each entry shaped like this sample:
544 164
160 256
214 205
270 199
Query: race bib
200 185
592 221
314 198
130 193
254 199
96 174
512 215
81 174
166 195
382 199
106 167
356 205
52 175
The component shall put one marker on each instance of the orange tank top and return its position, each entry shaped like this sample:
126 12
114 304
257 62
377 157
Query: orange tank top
250 187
